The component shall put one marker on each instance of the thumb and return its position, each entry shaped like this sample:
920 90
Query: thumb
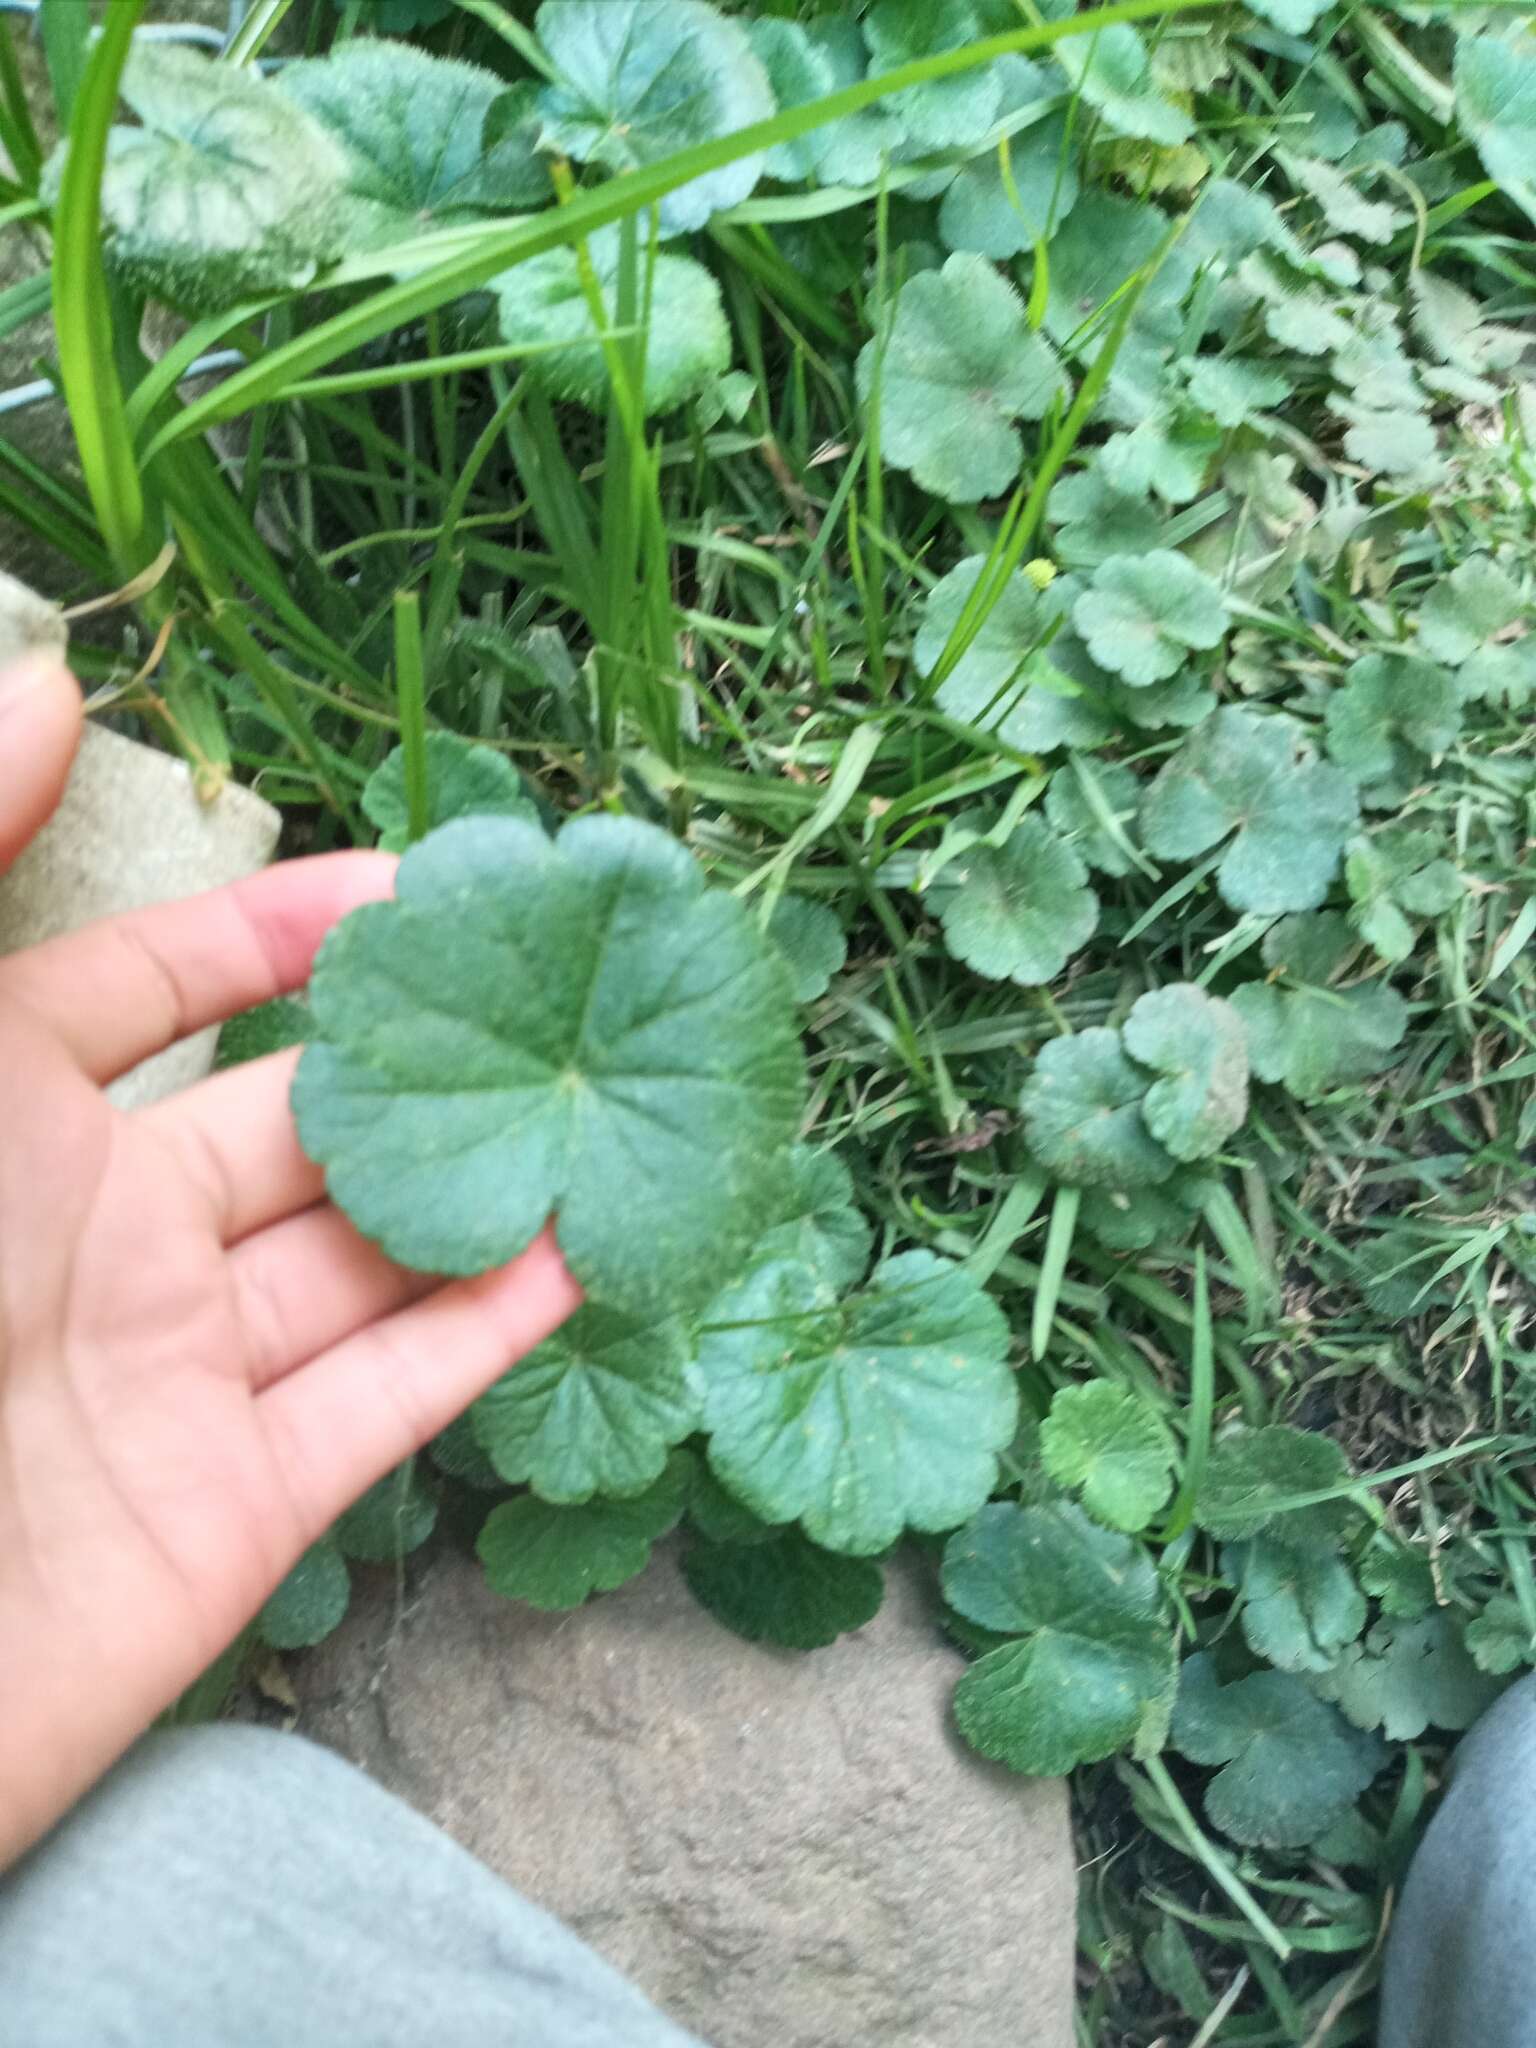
40 716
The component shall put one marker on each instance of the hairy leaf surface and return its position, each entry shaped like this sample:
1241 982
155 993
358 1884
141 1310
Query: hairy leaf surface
534 1027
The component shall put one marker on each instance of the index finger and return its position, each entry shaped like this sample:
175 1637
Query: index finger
116 992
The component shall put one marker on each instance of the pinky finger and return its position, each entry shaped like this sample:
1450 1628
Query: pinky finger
350 1415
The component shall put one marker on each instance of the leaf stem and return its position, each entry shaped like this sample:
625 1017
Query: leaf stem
1206 1854
411 697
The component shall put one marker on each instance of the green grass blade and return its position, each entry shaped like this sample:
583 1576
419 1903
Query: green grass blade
411 697
18 132
1053 1267
1201 1408
82 308
65 28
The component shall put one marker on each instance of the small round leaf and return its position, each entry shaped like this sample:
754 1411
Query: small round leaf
787 1592
594 1408
1022 909
883 1412
1293 1765
1103 1442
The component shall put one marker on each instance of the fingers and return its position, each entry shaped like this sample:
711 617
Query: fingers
118 991
351 1415
307 1283
40 715
233 1137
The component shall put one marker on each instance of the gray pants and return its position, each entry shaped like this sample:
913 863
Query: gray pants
230 1887
1461 1960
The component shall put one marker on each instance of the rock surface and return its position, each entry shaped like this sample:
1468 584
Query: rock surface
131 831
28 622
782 1851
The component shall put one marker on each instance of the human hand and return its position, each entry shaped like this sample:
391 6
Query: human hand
201 1362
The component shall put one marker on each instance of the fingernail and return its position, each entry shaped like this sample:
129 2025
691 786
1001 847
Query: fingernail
34 671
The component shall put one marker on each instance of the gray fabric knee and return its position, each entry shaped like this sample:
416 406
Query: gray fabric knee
1461 1957
231 1887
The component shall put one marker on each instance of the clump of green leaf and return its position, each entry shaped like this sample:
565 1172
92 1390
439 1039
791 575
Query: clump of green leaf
1121 1109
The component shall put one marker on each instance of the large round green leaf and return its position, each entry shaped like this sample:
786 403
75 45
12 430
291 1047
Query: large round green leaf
959 367
594 1409
638 82
414 128
572 1026
1144 614
226 189
1256 779
543 305
1093 1669
865 1417
1021 909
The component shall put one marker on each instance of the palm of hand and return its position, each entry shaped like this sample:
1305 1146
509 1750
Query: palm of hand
201 1363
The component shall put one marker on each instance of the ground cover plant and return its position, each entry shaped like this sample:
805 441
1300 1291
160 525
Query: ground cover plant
941 597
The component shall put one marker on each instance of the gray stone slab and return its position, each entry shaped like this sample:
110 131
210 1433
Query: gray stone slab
131 831
784 1851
